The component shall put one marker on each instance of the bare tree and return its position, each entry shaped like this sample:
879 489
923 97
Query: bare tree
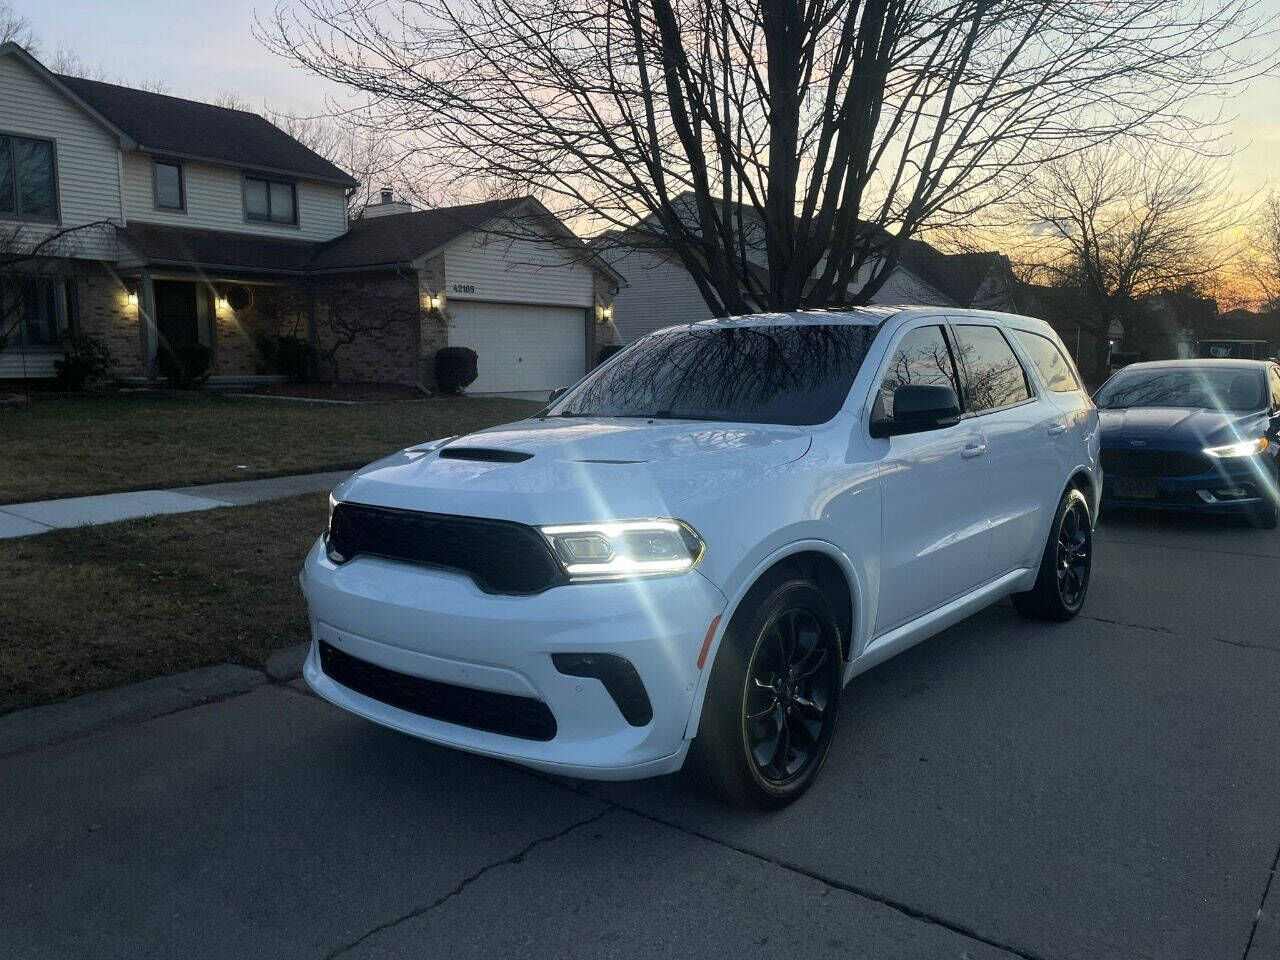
1262 261
351 142
16 28
230 100
808 137
1119 225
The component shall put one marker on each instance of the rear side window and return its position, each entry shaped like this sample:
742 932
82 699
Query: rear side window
923 358
994 376
1053 366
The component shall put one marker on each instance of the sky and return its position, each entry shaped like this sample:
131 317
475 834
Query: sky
201 47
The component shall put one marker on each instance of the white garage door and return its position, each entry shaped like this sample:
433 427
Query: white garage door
520 347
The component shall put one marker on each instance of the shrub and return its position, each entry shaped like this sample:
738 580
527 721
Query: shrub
295 358
456 368
607 351
185 366
84 358
288 356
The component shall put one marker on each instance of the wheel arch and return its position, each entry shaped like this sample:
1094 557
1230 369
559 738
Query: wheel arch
822 562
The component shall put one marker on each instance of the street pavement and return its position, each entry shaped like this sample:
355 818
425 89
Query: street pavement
1107 788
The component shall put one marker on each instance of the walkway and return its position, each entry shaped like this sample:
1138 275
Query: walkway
29 519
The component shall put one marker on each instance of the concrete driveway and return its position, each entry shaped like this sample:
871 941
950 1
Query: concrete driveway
1108 788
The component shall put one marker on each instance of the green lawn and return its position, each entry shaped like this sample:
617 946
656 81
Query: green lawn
101 443
97 607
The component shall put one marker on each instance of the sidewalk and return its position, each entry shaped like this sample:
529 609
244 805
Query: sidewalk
30 519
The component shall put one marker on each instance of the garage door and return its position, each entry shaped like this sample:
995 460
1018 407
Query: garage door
520 347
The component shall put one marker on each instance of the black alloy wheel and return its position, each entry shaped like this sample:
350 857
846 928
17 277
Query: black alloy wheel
773 698
1073 560
787 695
1063 580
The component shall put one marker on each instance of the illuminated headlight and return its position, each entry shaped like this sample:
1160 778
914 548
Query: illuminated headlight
625 548
1245 448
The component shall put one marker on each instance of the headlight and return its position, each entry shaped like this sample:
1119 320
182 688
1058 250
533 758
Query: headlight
1245 448
625 548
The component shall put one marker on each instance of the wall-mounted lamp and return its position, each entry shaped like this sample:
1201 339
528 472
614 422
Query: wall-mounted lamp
131 292
605 313
133 298
433 301
221 303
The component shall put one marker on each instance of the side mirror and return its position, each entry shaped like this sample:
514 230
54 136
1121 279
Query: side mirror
917 408
555 395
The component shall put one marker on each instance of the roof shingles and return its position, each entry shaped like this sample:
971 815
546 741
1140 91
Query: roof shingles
188 128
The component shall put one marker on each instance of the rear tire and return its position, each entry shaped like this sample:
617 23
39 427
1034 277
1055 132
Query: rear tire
1063 581
773 697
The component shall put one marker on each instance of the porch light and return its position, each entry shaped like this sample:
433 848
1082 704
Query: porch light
222 303
434 301
133 298
606 313
131 292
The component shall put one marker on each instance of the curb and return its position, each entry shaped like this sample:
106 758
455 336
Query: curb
41 726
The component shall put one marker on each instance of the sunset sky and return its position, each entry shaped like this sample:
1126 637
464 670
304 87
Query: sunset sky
199 47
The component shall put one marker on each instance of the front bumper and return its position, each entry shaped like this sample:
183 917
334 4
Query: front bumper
437 624
1233 485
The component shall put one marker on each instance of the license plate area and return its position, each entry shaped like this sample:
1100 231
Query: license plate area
1131 488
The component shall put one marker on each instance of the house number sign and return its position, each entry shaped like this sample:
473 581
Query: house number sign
464 288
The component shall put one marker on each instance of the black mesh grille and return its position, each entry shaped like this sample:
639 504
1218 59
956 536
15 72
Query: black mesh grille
1149 464
502 557
504 713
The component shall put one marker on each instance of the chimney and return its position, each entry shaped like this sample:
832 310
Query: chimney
387 204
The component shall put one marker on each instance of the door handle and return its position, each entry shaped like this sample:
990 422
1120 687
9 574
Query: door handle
1057 430
973 450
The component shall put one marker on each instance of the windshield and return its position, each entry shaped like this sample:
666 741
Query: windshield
1217 388
785 374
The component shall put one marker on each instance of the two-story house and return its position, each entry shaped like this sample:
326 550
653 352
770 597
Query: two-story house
146 220
659 290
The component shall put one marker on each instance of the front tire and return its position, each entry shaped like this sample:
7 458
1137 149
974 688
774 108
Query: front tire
772 699
1063 581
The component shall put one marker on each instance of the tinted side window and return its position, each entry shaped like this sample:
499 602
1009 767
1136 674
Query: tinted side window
1053 366
995 378
922 358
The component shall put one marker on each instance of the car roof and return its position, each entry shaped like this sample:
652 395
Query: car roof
859 315
1222 363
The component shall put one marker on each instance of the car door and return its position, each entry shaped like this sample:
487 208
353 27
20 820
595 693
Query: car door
1021 468
934 505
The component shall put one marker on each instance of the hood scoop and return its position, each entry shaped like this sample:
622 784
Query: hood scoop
485 454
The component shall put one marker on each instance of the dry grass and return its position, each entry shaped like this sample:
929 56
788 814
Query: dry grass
96 607
72 446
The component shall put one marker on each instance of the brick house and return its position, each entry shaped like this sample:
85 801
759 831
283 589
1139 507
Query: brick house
146 220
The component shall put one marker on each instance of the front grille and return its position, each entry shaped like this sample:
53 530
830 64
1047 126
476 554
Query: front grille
1150 464
525 717
500 556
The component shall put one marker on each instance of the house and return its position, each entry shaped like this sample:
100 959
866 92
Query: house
659 291
150 221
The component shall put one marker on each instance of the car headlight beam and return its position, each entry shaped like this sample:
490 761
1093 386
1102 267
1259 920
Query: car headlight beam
1245 448
621 549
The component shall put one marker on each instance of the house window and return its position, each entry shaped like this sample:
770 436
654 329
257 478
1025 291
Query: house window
35 311
271 201
170 190
28 181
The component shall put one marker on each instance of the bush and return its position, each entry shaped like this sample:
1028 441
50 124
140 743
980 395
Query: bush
85 358
288 356
607 351
185 366
456 369
295 359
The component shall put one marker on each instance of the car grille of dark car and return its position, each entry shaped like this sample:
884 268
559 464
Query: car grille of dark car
1150 464
525 717
500 556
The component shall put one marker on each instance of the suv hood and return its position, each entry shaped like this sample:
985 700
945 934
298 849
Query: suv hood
1178 425
575 470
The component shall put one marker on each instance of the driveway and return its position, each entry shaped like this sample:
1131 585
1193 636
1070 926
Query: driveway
1106 788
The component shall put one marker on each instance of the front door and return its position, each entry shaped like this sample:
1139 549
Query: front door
933 484
177 320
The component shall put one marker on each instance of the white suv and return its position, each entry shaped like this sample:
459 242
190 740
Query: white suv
691 551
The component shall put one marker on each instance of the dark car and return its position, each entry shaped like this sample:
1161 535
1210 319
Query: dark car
1197 435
